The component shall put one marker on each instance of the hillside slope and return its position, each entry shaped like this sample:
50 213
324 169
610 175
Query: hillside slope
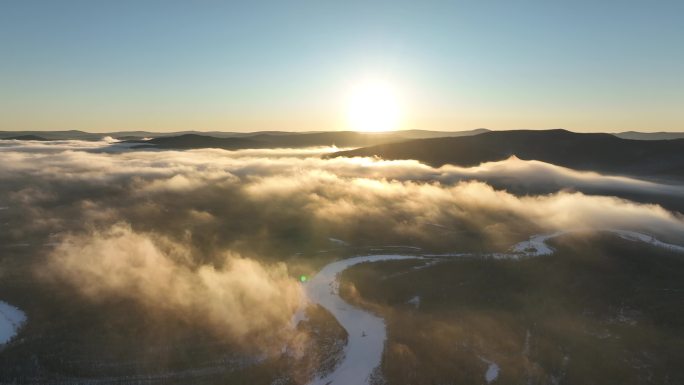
290 140
598 152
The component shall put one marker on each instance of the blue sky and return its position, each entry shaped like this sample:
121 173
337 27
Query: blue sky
219 65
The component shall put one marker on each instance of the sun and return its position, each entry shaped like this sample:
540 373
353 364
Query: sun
373 106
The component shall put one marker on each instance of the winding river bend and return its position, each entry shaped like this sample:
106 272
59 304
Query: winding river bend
367 333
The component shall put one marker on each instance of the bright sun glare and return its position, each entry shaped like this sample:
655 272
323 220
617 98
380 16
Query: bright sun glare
373 106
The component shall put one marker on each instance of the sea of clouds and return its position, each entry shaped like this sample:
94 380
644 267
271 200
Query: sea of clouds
208 233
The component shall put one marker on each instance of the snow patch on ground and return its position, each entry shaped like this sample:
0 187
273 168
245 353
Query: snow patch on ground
338 242
426 265
536 245
634 236
625 316
415 301
492 370
526 346
300 314
11 319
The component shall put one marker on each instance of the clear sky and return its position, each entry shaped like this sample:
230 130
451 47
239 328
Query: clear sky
98 65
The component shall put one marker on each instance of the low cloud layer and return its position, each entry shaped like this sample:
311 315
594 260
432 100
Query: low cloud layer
238 298
202 232
254 199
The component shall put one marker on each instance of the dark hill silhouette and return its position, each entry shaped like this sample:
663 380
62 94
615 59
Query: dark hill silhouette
292 140
53 135
337 138
27 137
650 135
394 135
599 152
190 141
340 139
355 139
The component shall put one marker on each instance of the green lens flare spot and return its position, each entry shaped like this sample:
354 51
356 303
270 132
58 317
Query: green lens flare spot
303 278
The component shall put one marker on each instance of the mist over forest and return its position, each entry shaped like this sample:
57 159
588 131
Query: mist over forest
210 244
341 193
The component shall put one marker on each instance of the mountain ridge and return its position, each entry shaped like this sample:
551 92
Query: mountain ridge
581 151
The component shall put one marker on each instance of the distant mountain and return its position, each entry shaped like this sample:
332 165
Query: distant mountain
26 137
599 152
312 136
128 135
270 140
404 134
336 138
291 140
344 138
52 135
424 134
190 141
650 135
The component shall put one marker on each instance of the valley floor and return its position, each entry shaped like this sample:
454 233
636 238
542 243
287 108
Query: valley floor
367 332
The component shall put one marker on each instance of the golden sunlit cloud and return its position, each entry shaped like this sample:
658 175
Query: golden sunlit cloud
373 106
